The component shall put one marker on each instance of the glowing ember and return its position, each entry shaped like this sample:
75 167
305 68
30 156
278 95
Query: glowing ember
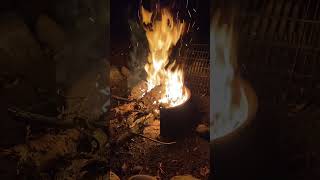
234 101
162 34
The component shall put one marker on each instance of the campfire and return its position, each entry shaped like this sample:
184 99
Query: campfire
162 34
162 96
159 111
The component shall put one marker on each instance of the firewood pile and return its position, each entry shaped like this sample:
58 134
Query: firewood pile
67 146
60 154
138 115
45 52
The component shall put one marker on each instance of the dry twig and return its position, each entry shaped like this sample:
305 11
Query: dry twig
154 140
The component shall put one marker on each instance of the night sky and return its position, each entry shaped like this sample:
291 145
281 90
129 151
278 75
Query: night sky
122 11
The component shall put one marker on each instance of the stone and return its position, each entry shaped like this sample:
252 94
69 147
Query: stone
202 129
113 176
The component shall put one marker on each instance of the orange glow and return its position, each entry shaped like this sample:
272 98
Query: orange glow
162 34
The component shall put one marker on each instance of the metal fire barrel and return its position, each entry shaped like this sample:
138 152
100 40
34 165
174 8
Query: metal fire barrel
178 122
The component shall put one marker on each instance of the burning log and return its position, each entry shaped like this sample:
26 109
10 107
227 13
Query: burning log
151 99
148 103
139 114
139 90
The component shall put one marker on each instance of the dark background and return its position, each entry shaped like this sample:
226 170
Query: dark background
278 53
46 46
122 11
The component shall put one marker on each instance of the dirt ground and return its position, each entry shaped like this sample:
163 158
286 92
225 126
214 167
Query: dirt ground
139 155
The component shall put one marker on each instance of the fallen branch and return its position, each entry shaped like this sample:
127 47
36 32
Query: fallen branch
130 134
21 115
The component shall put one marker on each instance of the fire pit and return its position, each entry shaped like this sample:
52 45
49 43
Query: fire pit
177 122
166 83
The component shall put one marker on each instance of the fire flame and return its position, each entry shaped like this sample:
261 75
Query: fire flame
233 99
162 34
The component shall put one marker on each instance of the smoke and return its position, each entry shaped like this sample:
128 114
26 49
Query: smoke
138 53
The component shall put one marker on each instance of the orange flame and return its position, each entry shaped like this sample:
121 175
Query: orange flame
162 34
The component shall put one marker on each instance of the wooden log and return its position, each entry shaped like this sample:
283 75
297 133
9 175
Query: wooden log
21 115
139 90
150 99
42 152
33 118
125 108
